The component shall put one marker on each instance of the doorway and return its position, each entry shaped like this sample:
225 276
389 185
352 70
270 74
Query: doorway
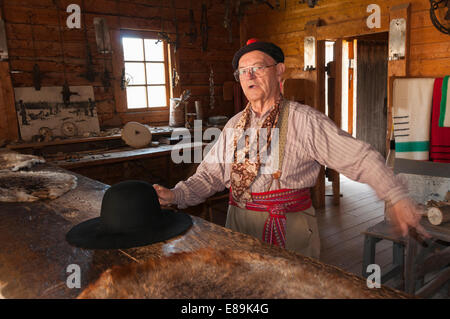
364 98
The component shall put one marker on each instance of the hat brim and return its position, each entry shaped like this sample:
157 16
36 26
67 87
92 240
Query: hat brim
88 235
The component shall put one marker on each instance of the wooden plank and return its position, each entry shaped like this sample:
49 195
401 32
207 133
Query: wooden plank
7 105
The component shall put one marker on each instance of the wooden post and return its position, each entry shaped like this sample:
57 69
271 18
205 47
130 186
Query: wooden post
351 74
317 76
397 68
337 111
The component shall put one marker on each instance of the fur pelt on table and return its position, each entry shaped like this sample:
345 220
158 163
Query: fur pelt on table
211 274
24 186
14 161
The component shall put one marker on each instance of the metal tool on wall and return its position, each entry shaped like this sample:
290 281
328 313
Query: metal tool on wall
175 23
442 24
227 21
204 27
90 72
37 75
66 93
192 28
162 35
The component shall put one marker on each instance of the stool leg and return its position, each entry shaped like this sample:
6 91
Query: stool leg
398 259
410 278
369 253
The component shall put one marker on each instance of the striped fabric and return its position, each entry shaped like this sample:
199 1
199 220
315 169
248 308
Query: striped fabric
440 136
412 100
277 204
312 140
444 116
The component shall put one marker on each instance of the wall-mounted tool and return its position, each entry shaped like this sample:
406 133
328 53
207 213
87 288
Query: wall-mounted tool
37 75
204 27
175 23
192 28
66 93
90 72
162 35
309 53
227 21
437 6
397 39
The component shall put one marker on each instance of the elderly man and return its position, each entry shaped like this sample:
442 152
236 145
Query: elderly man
275 206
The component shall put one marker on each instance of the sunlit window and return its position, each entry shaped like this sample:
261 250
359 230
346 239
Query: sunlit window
145 72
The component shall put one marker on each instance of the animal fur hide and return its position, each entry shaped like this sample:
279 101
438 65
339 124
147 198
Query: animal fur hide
211 274
32 186
15 161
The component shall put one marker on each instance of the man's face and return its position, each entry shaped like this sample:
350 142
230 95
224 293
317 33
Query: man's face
265 85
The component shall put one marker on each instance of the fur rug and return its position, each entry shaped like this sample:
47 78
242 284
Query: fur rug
15 161
26 186
229 274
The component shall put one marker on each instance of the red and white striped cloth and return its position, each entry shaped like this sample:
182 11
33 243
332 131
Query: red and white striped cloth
440 136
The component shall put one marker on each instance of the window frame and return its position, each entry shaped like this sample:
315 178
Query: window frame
166 50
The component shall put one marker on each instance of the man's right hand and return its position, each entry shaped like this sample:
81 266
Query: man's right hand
166 197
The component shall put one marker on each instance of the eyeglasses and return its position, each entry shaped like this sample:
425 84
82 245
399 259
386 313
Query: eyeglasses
251 70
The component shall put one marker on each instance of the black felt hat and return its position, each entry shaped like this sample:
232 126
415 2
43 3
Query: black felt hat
253 44
130 216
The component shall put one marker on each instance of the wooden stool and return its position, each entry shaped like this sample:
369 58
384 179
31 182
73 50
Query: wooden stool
372 236
430 256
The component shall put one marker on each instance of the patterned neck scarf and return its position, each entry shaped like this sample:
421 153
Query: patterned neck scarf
244 171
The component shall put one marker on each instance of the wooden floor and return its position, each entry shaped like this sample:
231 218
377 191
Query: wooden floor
341 227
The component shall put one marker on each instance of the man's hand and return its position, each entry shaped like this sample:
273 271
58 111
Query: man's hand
166 197
404 214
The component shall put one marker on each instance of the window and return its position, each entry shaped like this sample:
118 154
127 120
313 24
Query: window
146 72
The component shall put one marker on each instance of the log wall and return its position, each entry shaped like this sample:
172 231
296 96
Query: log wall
429 49
26 19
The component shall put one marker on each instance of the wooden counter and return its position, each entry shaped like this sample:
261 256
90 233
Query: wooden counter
34 254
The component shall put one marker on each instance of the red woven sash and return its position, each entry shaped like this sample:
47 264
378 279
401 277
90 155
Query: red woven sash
277 204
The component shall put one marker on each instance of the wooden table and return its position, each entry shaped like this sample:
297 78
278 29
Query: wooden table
34 255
